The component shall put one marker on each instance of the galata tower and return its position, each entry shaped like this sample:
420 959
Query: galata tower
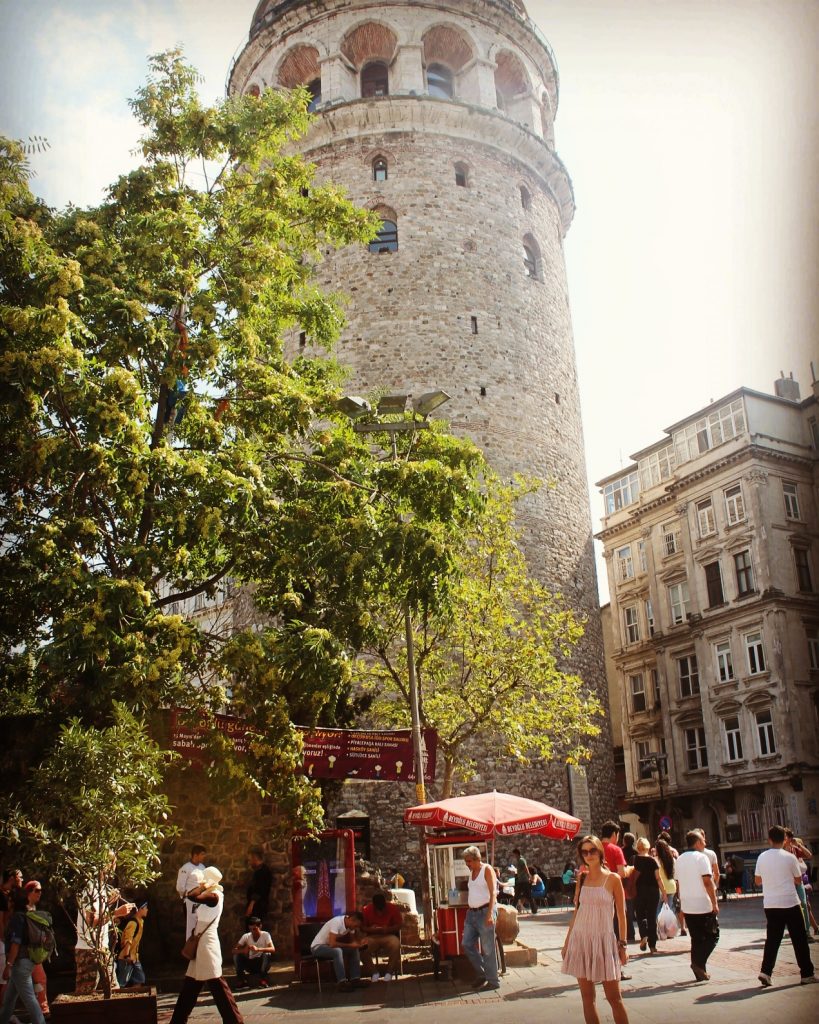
439 115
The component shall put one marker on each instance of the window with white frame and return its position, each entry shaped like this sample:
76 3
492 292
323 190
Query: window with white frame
733 738
620 493
688 675
637 688
625 564
725 661
713 584
656 467
804 580
765 733
791 496
671 539
643 764
631 621
706 520
696 751
812 634
678 602
734 505
642 558
718 427
755 652
649 616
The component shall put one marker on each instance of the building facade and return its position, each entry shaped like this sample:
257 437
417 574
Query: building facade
439 116
711 539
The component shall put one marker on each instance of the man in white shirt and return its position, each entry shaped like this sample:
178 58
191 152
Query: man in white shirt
252 954
777 871
336 941
184 884
698 901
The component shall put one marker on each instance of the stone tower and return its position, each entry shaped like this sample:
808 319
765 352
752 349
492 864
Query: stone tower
439 115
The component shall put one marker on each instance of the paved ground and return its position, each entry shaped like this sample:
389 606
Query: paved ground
662 987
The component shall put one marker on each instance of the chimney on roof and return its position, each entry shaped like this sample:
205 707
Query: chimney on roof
787 388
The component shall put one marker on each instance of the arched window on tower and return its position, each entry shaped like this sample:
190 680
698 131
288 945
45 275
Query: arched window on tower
525 197
439 81
379 169
387 238
461 175
314 88
375 80
531 258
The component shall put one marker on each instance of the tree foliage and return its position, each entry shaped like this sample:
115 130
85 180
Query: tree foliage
490 660
159 444
95 810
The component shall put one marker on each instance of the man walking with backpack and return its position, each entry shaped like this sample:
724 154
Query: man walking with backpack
30 940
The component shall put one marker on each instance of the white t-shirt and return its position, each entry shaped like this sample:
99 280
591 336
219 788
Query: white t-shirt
779 870
335 925
87 933
689 869
264 940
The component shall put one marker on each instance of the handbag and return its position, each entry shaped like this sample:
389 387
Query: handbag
630 884
192 944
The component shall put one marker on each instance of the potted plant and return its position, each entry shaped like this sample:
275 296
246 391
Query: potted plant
90 822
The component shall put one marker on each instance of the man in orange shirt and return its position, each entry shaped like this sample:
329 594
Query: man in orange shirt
382 927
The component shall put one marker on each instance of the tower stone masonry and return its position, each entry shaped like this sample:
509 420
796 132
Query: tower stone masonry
439 116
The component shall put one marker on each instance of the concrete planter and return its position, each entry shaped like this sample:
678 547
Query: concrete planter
121 1008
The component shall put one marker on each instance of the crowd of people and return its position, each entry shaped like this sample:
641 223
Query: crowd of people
628 892
618 886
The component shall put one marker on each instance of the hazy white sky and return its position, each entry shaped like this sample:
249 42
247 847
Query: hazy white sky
689 128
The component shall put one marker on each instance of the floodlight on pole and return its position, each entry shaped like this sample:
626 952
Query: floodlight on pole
389 405
429 402
353 406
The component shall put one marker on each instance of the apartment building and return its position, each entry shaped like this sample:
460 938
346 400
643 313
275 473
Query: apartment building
711 539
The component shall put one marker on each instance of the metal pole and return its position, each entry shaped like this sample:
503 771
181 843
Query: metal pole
417 747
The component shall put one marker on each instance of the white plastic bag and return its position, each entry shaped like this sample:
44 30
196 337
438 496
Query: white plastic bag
667 926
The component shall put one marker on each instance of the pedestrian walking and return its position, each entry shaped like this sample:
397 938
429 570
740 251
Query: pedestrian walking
698 902
478 939
258 889
649 887
523 883
615 861
592 952
777 871
20 964
206 967
129 967
34 891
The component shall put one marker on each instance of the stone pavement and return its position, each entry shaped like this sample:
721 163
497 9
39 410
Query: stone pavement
662 987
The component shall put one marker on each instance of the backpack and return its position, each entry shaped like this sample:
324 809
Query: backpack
41 942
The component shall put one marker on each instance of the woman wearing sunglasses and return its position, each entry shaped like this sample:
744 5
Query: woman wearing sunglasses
592 952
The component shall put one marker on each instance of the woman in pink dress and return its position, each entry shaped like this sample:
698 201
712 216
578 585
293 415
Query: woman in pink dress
592 952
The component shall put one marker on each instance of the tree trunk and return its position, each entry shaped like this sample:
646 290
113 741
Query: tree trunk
449 778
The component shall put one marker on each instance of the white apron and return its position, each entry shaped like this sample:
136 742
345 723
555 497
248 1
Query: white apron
208 962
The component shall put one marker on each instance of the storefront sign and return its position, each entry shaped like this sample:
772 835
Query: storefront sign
360 754
328 753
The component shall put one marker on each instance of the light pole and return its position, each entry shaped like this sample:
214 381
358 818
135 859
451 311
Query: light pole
397 405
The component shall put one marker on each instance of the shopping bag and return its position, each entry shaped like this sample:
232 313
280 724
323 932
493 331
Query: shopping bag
667 926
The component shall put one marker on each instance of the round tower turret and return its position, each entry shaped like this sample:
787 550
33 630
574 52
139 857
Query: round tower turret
440 116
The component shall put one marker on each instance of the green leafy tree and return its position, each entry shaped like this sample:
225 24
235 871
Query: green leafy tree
490 659
94 814
158 444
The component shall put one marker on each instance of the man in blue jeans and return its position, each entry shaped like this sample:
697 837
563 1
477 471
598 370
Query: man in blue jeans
336 941
479 926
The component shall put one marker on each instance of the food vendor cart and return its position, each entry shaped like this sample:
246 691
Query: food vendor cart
449 826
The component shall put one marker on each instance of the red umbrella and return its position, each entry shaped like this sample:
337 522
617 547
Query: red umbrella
495 814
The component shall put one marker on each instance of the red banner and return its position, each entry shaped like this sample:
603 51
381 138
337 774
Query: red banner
328 753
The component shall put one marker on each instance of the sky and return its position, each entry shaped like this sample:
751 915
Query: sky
689 129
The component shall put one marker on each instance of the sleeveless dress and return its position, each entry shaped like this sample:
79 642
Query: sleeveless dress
592 951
